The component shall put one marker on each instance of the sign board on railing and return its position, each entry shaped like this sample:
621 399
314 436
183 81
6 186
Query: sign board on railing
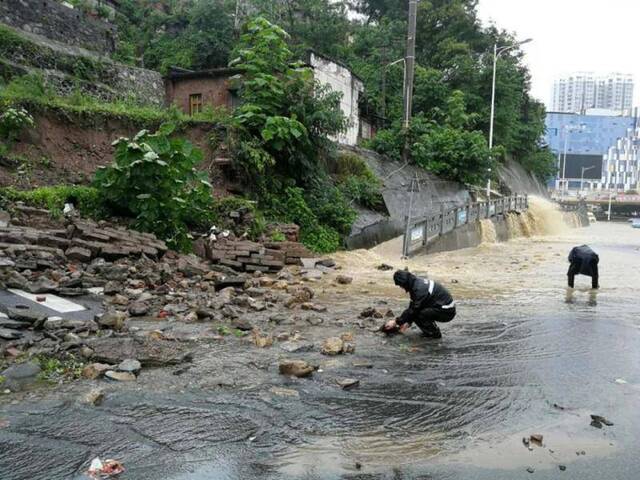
417 229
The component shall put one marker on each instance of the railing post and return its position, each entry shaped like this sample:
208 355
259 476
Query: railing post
425 231
406 240
441 219
488 208
526 200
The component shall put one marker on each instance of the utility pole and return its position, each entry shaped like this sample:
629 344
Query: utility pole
410 61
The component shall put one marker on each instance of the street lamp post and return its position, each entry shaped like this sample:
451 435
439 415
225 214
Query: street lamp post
584 169
497 51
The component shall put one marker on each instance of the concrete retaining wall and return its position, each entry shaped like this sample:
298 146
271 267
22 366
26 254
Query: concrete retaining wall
467 236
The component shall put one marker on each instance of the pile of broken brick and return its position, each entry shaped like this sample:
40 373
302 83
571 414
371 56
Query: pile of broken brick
121 275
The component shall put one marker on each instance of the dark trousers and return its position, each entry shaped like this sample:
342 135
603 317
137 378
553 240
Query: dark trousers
574 269
428 317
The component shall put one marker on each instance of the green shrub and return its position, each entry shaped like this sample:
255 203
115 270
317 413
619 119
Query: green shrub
13 120
222 208
154 180
86 199
320 227
356 180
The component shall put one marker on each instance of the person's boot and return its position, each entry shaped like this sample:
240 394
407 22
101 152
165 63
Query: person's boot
431 330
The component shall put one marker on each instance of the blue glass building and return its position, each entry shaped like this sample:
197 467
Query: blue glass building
588 138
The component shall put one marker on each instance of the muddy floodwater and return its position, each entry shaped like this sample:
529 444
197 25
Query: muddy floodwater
524 356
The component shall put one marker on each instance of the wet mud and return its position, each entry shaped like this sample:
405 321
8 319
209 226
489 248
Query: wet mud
524 356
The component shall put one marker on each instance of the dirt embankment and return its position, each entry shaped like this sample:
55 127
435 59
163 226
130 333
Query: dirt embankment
68 148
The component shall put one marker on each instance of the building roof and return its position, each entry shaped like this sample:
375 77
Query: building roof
177 73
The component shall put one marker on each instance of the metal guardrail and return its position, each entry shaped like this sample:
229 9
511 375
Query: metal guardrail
419 231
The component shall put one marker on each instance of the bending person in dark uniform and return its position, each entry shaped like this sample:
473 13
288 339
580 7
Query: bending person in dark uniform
583 261
430 303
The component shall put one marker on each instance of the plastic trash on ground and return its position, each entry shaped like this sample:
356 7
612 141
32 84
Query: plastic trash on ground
107 469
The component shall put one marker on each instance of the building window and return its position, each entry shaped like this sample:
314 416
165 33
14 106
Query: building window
195 103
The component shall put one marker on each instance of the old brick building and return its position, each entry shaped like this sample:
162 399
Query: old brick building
192 91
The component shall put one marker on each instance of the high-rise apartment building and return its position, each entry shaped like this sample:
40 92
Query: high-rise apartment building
583 91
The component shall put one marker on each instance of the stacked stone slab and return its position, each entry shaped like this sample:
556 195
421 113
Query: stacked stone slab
244 255
81 241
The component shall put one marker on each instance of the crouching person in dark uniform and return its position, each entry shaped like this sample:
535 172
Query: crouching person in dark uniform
430 303
583 261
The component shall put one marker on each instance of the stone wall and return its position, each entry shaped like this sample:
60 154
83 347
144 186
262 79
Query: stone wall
53 20
67 69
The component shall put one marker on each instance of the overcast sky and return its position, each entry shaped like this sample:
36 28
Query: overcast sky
572 35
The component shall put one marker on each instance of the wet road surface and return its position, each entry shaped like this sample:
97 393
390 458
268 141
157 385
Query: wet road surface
521 347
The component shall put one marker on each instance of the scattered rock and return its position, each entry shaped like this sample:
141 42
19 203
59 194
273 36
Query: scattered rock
112 319
242 324
384 267
284 392
531 469
562 467
344 279
8 334
326 262
234 282
347 337
332 346
347 383
13 324
20 375
78 254
315 321
314 307
537 439
25 315
262 341
129 365
597 421
138 309
312 275
296 347
43 285
295 368
95 370
94 397
111 288
120 376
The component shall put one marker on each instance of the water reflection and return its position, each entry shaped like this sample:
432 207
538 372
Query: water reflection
592 296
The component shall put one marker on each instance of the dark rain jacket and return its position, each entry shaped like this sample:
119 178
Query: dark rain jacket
583 260
424 294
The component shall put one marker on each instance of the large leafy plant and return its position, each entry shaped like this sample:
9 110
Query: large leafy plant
154 180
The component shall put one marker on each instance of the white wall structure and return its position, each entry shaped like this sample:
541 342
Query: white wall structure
621 164
341 79
579 92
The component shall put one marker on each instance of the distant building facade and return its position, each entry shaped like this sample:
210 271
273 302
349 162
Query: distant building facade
588 138
194 91
582 91
621 164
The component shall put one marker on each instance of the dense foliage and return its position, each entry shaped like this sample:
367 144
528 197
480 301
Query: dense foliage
281 135
454 52
154 180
